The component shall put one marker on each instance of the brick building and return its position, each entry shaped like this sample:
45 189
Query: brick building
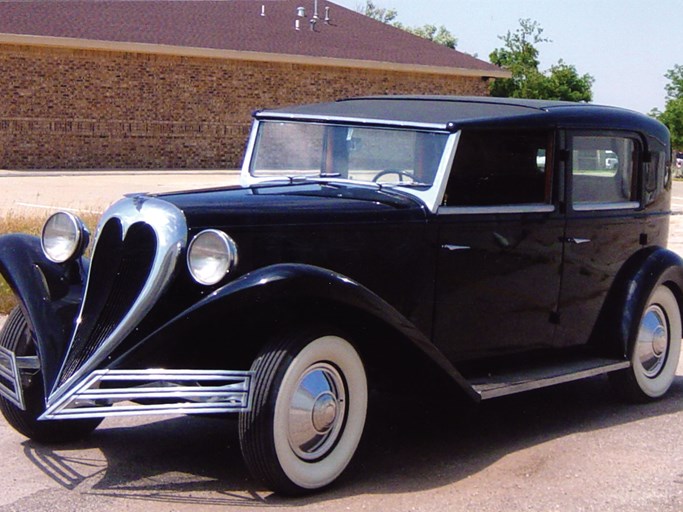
172 84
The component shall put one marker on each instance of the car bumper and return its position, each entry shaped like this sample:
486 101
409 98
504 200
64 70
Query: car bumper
106 393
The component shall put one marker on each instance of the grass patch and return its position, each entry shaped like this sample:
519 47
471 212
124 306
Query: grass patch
7 298
32 225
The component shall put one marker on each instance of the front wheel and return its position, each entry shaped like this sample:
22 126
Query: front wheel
655 352
308 411
16 337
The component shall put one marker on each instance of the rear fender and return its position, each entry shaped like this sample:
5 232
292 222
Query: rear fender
641 274
49 294
289 283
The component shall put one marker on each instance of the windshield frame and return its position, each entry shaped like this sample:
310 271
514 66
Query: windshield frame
431 196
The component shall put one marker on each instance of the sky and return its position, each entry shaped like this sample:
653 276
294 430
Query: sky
626 45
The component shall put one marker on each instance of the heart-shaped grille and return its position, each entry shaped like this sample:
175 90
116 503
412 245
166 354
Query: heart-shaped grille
118 274
138 245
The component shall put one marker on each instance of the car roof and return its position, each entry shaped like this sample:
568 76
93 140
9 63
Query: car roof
454 112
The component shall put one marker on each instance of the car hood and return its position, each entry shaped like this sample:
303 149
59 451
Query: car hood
291 204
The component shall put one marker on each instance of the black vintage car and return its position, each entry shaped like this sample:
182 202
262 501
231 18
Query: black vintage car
492 246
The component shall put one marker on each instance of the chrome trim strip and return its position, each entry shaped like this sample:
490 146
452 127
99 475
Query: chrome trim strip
246 178
185 391
351 120
587 207
434 196
9 372
506 208
170 228
28 363
451 247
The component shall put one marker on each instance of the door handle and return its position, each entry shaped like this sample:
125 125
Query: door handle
577 241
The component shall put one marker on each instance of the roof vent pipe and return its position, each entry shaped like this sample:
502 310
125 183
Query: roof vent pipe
263 10
327 15
301 12
297 25
315 10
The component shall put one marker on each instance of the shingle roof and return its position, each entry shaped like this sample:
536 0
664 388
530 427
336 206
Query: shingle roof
236 25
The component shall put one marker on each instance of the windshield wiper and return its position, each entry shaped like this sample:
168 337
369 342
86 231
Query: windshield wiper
412 184
330 179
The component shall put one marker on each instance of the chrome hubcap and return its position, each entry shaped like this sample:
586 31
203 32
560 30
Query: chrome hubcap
653 341
317 411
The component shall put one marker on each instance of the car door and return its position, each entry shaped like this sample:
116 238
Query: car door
499 246
603 227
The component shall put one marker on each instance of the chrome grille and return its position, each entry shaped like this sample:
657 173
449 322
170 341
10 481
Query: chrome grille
137 248
118 274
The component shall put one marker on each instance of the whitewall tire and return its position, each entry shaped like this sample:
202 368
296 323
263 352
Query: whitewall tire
308 411
656 351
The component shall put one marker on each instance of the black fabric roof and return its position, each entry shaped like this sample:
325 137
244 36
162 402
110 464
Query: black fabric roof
452 112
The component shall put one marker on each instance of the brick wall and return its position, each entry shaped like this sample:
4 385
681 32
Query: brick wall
64 108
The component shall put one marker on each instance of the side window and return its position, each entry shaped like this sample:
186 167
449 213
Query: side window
655 176
500 167
603 171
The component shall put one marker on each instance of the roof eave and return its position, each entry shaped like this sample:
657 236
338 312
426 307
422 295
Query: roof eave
211 53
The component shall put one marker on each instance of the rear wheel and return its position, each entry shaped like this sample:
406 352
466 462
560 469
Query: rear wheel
16 336
655 352
308 411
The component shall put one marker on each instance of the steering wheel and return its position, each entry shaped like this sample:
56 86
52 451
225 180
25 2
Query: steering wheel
401 174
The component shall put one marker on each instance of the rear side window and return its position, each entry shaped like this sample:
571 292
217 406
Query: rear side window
656 176
603 171
501 167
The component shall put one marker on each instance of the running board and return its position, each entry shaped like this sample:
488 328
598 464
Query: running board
540 377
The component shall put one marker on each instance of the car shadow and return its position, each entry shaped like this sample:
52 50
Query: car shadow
410 444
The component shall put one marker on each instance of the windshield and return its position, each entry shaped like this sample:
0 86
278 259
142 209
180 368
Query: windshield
381 155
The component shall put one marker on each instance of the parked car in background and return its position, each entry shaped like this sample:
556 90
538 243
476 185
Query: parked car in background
482 244
611 160
679 160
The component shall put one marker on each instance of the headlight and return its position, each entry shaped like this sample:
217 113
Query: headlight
64 237
210 256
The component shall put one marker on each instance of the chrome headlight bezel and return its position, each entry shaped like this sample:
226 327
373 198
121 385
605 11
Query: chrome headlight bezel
64 237
211 255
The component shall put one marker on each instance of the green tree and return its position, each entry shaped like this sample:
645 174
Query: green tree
563 82
377 13
519 55
672 116
674 89
440 34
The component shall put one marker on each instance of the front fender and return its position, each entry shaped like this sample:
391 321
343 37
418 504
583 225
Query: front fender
635 281
49 293
288 283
